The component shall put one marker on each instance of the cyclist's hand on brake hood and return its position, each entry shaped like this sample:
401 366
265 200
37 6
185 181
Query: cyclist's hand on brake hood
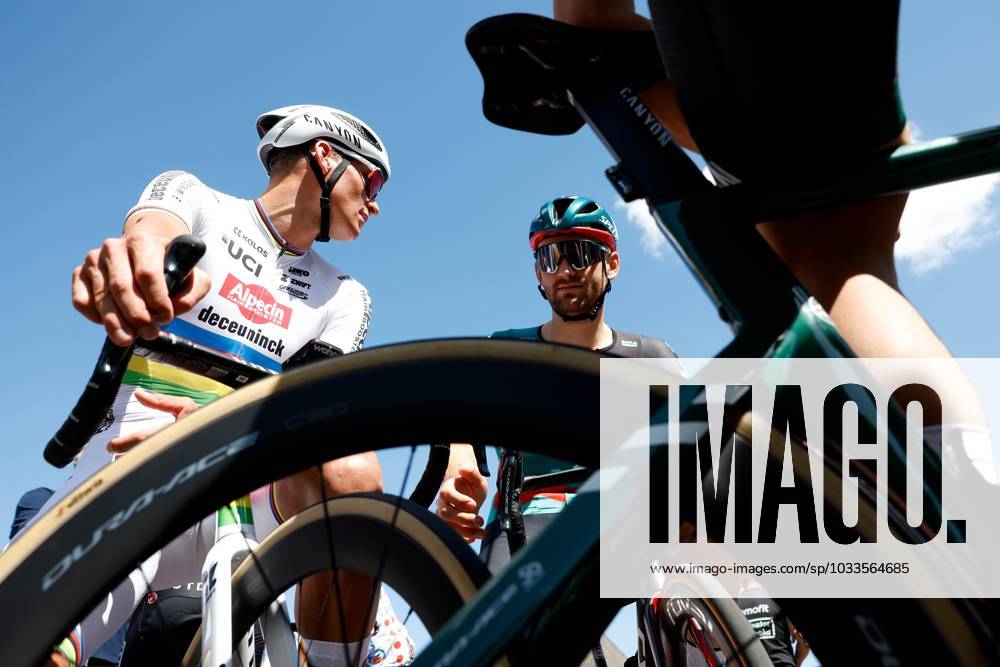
178 406
459 501
121 284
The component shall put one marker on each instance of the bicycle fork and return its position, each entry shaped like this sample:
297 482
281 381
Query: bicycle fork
234 533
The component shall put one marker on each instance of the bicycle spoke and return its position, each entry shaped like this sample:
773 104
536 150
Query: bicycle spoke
326 601
392 526
376 581
375 594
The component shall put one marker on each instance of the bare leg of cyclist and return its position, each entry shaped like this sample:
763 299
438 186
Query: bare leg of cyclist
844 257
616 14
318 611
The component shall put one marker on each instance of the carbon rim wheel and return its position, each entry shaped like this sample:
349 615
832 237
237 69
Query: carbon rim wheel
437 391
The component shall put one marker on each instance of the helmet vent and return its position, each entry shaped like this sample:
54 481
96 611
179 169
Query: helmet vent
284 128
589 207
560 205
361 129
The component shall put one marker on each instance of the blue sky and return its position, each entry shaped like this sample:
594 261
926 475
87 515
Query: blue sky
101 97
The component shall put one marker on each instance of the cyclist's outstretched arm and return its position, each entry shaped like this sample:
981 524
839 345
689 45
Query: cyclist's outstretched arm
121 286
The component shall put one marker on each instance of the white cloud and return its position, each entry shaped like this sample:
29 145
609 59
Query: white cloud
943 220
654 242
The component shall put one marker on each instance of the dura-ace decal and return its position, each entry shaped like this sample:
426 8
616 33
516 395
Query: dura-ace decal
141 502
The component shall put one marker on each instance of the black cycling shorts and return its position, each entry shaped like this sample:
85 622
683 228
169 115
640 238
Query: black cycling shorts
782 90
163 625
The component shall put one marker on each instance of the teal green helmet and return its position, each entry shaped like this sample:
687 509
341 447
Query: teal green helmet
573 215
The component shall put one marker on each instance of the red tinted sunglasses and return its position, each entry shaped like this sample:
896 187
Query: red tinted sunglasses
373 179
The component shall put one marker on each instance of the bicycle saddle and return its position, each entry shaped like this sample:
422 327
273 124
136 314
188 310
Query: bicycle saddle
529 61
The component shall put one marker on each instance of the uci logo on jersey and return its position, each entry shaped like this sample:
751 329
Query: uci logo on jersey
236 252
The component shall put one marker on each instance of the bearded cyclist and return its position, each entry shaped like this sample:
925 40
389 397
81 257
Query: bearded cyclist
574 241
259 294
575 245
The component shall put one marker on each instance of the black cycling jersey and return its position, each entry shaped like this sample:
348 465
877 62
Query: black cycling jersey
636 346
623 344
544 503
769 622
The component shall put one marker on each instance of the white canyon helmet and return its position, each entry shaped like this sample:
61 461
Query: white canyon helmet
352 138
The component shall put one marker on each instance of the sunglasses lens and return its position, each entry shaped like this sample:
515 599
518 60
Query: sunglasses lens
579 252
375 182
547 257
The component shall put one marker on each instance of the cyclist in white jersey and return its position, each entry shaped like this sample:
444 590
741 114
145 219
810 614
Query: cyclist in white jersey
259 294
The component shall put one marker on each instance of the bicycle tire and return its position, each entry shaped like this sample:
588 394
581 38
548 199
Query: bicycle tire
376 399
433 569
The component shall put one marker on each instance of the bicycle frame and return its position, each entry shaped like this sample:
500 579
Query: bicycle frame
234 539
753 291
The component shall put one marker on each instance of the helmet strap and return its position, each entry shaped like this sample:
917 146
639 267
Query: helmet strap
326 185
594 312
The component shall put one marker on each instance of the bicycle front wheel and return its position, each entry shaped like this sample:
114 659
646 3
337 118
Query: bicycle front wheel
434 391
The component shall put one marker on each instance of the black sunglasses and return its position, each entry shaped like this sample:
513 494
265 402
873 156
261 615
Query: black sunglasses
581 253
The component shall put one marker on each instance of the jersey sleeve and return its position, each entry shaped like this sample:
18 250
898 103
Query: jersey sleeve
658 349
667 352
175 192
350 314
